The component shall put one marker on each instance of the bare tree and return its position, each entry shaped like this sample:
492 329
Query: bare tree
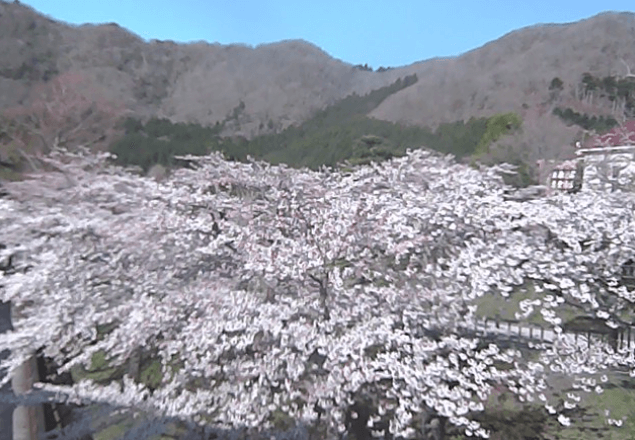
66 112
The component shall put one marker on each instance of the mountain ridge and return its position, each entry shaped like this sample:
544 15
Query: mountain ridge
279 84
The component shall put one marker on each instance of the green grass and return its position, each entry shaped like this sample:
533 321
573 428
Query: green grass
496 306
511 419
620 401
118 426
9 174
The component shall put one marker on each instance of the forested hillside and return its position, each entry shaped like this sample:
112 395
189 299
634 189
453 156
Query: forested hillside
341 133
564 81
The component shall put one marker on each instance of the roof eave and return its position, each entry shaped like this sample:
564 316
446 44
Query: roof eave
616 148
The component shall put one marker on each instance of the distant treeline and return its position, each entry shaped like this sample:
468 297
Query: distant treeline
597 123
611 87
341 132
368 68
159 140
620 92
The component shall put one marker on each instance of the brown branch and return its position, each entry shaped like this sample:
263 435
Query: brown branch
66 112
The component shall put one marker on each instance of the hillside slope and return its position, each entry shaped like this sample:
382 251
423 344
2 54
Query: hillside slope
514 73
199 82
272 86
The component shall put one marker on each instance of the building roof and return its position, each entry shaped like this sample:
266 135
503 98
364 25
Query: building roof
624 135
567 165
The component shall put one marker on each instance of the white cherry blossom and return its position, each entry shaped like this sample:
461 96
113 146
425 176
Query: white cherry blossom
260 287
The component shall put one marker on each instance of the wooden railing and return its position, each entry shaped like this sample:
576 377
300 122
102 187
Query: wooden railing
625 336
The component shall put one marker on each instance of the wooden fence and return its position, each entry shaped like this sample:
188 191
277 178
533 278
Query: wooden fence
619 338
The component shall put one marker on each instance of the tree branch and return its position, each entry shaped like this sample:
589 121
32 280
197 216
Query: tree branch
628 69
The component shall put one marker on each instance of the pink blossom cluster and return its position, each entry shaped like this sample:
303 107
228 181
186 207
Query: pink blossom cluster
266 289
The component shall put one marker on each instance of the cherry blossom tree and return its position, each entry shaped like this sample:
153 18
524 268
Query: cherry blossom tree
336 301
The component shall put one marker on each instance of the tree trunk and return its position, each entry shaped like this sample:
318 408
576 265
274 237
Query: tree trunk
134 364
28 421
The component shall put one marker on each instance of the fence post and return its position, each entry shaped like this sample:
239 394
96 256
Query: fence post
542 334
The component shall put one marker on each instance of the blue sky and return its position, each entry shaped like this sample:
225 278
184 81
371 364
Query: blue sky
377 32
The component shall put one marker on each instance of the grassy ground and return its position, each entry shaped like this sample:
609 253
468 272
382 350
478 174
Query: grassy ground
509 419
590 421
495 306
8 174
